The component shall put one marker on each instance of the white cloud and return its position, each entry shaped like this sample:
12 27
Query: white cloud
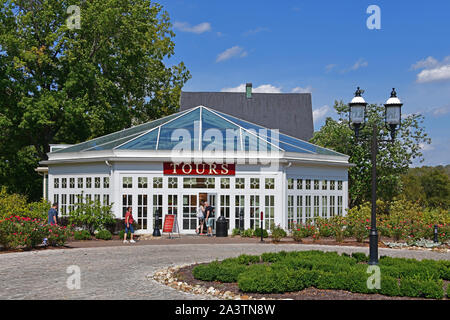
426 147
264 88
433 70
361 63
441 111
232 52
186 27
321 113
308 89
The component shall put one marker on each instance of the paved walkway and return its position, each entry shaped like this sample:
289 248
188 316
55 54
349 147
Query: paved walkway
121 272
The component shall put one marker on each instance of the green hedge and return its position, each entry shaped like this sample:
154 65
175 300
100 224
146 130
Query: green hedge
82 235
104 235
294 271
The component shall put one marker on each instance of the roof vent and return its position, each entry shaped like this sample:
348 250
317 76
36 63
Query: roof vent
248 90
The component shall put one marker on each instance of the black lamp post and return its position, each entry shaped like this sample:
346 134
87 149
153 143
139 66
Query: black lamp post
357 122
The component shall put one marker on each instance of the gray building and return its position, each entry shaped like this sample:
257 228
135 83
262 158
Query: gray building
290 113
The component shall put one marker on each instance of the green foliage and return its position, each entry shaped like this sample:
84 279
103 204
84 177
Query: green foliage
247 233
82 235
359 221
104 235
393 159
235 232
294 271
16 204
91 215
257 233
277 233
428 186
61 85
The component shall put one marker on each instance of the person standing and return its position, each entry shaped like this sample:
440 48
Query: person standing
52 218
201 218
128 226
209 218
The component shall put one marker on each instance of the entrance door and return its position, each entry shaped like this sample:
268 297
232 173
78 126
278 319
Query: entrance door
212 200
190 205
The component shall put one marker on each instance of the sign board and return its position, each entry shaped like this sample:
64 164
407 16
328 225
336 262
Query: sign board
170 225
213 169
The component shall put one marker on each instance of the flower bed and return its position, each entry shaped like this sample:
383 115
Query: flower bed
22 232
295 271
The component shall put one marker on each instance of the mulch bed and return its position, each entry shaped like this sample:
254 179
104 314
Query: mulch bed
185 274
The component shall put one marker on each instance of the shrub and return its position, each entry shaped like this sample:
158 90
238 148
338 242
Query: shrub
339 226
298 234
360 257
92 216
17 204
82 235
389 286
277 233
257 233
247 233
235 232
412 287
359 221
104 235
206 272
324 227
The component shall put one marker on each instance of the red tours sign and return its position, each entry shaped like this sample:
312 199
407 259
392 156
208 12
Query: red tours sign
201 169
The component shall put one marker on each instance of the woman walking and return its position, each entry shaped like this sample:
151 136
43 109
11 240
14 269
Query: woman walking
128 226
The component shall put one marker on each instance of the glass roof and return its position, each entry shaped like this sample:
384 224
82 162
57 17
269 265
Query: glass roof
199 128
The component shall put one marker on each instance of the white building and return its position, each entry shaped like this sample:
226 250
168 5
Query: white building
168 165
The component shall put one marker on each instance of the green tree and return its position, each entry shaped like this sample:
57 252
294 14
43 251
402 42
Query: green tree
393 159
66 85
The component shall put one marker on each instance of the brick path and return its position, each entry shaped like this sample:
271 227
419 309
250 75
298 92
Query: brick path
121 272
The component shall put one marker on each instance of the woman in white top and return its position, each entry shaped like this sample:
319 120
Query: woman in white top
201 218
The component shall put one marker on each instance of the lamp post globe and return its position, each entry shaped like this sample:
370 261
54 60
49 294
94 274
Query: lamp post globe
357 111
393 113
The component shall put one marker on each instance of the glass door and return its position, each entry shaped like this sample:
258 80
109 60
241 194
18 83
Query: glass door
190 205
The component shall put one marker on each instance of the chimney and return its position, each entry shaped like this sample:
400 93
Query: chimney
248 90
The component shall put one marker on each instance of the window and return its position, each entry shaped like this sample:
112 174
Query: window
339 185
56 198
72 183
64 183
290 183
316 206
225 183
324 207
88 182
106 199
308 208
157 182
71 202
56 183
157 209
172 204
269 212
127 201
63 204
88 198
332 185
254 183
225 208
332 206
308 184
299 184
299 209
106 182
199 183
324 184
80 183
339 210
173 183
254 211
240 183
316 184
239 207
290 212
142 182
96 197
142 210
97 182
270 183
127 182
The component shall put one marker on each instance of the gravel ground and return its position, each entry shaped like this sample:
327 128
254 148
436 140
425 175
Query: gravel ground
121 272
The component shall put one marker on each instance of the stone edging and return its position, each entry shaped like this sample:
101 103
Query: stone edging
167 277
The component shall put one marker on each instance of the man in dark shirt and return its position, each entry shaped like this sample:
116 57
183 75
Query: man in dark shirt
53 214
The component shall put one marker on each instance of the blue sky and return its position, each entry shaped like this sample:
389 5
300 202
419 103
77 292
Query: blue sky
326 48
